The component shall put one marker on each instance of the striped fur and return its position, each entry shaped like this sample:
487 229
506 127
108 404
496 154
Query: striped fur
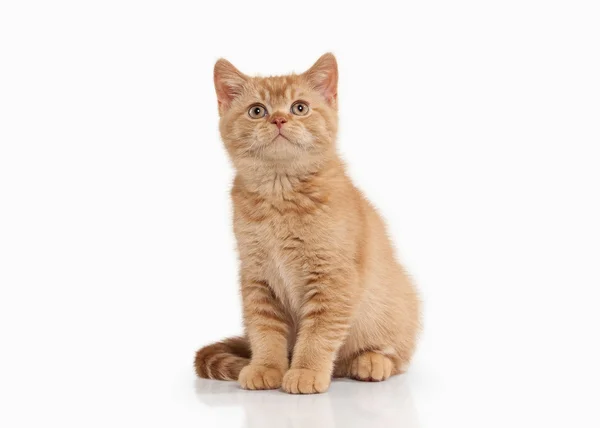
223 360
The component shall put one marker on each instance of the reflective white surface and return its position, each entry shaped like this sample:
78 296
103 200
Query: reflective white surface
347 404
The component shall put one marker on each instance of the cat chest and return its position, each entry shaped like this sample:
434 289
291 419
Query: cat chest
275 249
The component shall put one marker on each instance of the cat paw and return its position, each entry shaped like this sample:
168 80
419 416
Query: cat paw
371 367
260 377
304 381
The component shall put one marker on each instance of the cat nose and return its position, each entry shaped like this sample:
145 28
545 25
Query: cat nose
279 121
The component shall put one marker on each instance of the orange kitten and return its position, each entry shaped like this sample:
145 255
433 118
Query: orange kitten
322 292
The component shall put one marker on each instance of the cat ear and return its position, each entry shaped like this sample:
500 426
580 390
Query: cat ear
323 76
229 82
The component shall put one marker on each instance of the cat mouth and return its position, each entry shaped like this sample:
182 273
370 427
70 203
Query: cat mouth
280 135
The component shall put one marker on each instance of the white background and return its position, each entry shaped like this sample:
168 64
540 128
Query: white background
473 125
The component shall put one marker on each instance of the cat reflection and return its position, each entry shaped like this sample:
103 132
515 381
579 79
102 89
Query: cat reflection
347 404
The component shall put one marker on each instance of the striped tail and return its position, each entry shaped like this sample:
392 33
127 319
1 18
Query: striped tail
223 360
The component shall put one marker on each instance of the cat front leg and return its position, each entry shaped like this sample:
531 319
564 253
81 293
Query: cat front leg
267 331
325 320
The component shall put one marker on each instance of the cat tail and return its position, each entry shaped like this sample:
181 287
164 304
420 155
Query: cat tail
223 360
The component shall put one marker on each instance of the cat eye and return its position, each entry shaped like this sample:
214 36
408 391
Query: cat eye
299 108
257 111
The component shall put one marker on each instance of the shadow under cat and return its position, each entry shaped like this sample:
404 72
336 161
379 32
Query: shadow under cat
347 404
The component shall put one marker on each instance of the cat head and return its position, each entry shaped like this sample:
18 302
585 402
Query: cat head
278 119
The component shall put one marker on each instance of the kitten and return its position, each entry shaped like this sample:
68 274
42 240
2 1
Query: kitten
322 292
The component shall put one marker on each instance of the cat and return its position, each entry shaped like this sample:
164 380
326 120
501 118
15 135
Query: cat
323 295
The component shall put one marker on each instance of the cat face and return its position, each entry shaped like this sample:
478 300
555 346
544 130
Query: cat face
276 119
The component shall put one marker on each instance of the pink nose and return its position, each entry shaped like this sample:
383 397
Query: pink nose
279 121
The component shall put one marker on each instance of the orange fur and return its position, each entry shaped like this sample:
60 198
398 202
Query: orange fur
319 280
